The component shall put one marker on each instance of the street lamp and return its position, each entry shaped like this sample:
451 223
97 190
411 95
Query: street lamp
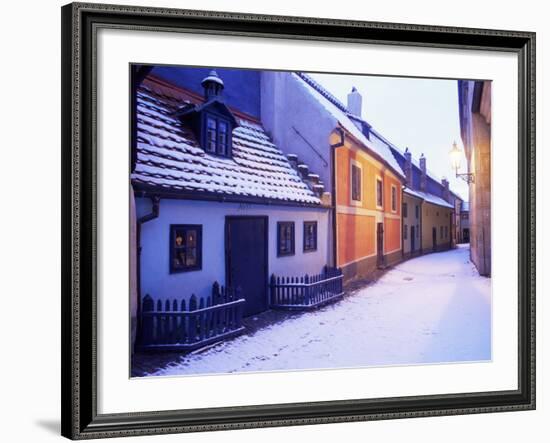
456 157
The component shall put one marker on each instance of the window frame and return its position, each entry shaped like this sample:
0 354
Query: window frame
405 210
378 179
393 199
305 224
355 164
205 139
292 252
405 229
172 248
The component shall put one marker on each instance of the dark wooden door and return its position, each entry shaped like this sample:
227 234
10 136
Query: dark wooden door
246 260
380 243
434 238
412 238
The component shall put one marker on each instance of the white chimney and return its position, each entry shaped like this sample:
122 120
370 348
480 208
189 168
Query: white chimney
355 102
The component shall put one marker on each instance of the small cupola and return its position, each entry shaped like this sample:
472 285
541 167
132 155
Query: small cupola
213 86
212 121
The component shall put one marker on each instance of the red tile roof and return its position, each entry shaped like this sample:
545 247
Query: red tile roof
169 157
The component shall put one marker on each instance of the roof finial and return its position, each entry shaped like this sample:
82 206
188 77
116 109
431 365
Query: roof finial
213 85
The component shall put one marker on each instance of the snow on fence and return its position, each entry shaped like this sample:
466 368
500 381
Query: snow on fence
306 292
177 326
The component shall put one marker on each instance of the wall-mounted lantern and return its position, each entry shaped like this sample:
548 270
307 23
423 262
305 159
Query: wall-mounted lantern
456 157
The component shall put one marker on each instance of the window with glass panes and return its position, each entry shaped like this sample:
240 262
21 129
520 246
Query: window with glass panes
355 183
310 236
285 238
217 136
185 248
379 196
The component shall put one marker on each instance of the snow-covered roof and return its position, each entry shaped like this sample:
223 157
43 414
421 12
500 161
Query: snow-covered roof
170 158
430 198
344 118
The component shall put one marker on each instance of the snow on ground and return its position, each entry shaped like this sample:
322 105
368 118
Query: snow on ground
431 309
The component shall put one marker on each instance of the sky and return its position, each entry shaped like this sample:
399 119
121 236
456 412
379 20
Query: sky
418 113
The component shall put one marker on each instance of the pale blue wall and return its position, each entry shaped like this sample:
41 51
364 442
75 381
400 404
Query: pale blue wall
241 90
286 103
156 279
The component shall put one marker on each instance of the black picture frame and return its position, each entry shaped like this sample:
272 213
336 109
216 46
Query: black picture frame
79 211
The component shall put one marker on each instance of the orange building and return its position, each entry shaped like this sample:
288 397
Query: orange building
368 205
354 164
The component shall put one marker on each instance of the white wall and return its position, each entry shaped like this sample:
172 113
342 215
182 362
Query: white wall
159 283
29 377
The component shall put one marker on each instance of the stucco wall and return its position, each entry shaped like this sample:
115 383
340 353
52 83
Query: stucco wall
476 136
356 220
411 220
156 279
435 216
356 237
287 106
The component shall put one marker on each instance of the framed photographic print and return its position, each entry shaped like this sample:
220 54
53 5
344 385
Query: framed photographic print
274 221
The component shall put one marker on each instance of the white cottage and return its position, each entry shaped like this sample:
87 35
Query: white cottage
216 200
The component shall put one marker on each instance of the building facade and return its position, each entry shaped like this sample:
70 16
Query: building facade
435 228
215 199
475 125
362 175
464 224
412 224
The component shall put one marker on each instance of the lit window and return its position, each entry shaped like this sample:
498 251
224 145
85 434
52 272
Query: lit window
285 238
185 248
310 236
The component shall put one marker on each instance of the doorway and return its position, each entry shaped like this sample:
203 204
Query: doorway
246 260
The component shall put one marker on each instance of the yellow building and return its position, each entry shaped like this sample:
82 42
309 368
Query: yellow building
412 210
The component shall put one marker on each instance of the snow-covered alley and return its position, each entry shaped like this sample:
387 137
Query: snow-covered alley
431 309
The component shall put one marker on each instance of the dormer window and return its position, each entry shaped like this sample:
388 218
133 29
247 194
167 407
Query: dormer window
212 121
216 135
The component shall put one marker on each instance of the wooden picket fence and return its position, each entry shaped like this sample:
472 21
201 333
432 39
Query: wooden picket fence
306 292
174 325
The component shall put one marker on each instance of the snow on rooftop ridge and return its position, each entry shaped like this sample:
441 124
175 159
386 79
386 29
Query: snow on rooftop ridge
341 116
430 198
336 102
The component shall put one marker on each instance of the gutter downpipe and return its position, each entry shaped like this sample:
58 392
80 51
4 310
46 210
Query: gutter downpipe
155 210
341 143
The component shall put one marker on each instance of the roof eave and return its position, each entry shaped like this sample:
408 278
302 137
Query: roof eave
146 190
373 153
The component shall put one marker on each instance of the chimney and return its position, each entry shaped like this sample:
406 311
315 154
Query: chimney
408 168
423 178
213 86
293 160
355 102
446 192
